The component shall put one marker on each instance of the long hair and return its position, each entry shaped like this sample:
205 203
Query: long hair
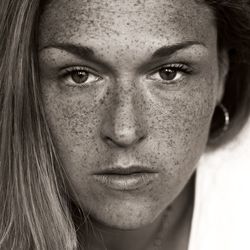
34 210
35 193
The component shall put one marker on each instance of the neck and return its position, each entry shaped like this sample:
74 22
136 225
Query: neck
171 228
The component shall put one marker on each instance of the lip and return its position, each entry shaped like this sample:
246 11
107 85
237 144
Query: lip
125 170
125 178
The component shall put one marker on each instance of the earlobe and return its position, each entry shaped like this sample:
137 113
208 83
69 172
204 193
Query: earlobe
223 72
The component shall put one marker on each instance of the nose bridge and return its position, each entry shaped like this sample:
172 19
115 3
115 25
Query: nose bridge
125 115
124 94
124 124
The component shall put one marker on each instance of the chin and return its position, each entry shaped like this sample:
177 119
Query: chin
125 216
122 224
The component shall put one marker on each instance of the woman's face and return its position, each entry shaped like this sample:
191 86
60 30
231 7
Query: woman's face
129 88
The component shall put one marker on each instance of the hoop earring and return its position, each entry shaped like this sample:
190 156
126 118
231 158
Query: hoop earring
220 122
226 117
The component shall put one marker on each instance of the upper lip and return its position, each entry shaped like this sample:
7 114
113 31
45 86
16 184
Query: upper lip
118 170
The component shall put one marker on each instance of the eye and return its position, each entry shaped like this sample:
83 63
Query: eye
170 73
79 76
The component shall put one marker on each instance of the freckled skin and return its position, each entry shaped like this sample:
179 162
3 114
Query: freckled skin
126 118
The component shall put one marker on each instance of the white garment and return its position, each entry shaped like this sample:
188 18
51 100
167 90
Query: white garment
221 219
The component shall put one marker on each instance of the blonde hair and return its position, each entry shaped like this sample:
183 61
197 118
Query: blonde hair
35 194
34 212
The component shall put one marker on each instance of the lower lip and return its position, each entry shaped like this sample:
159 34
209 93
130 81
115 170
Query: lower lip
126 182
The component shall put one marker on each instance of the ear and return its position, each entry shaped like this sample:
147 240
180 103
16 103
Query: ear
223 71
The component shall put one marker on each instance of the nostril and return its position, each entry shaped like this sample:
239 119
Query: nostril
142 138
123 127
109 141
123 140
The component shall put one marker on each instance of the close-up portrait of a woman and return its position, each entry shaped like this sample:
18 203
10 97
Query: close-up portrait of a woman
124 125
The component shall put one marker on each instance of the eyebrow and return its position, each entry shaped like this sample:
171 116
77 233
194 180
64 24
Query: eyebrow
171 49
87 52
78 50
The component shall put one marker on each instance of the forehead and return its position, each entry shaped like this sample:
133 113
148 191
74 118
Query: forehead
137 20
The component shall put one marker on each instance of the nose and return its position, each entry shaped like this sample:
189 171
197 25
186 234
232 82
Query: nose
123 124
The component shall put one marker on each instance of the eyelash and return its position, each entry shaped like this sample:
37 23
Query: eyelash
69 71
178 67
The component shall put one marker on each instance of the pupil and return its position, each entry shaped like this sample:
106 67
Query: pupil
80 76
167 74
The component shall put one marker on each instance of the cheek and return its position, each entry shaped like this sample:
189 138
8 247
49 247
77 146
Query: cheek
181 125
179 131
74 123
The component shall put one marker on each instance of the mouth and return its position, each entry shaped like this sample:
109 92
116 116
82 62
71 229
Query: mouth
126 178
